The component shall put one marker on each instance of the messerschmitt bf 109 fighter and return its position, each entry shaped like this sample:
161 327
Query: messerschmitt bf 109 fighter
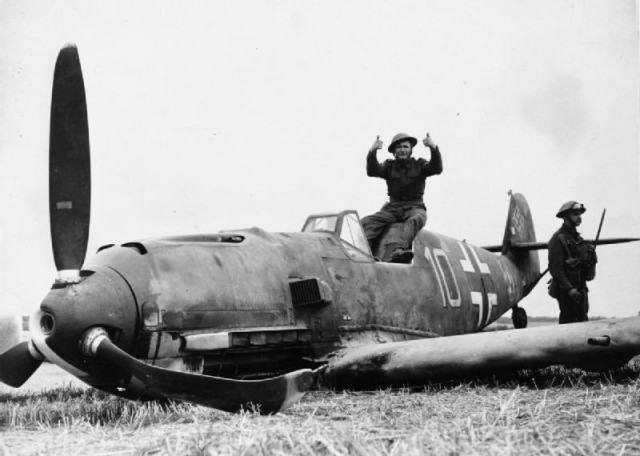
250 317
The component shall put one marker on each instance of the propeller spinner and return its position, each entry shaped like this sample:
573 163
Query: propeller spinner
75 305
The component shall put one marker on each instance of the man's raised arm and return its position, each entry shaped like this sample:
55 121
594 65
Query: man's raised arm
433 166
374 168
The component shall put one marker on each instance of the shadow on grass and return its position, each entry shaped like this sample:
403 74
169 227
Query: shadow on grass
71 405
549 377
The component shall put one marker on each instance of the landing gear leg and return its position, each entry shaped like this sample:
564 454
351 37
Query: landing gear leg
519 317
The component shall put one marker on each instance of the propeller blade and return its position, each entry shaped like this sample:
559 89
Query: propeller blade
270 395
69 163
17 365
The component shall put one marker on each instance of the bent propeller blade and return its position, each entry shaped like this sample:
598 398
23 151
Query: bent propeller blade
69 163
269 396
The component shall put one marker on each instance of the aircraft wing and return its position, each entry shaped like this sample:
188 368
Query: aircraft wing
594 346
527 246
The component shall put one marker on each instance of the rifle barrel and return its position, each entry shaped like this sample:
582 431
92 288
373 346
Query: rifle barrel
604 211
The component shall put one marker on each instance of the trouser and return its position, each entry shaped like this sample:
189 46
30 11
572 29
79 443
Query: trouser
572 311
412 214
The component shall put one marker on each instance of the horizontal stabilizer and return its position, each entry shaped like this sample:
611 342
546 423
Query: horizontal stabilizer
593 346
528 246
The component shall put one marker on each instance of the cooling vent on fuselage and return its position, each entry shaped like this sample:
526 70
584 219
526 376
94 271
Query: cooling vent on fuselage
308 292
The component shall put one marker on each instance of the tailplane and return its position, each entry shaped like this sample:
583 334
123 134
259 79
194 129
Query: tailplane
519 243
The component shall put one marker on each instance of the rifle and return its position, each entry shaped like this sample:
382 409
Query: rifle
592 259
595 244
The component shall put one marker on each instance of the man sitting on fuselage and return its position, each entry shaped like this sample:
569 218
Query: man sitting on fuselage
405 178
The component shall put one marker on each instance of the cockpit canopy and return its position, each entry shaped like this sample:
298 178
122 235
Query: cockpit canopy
346 226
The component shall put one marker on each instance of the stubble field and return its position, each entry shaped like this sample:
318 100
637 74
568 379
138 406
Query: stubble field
549 411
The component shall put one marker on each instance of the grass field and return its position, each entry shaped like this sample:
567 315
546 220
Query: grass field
550 411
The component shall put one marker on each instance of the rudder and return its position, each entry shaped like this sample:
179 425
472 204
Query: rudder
519 228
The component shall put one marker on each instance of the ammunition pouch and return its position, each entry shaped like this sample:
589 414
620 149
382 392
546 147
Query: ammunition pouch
573 270
553 289
573 264
590 273
590 270
586 252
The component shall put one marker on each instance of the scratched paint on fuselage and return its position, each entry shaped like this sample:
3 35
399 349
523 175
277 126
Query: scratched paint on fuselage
476 277
448 289
467 302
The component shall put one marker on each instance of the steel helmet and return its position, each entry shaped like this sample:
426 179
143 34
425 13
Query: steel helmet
570 206
401 137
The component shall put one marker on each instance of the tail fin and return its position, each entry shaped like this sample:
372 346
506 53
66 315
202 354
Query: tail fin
519 223
520 229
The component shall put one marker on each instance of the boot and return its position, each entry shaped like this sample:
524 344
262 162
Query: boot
401 256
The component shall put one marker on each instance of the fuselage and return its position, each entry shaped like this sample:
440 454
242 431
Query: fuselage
242 281
249 303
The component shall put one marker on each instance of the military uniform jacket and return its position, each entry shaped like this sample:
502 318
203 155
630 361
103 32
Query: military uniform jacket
571 259
405 178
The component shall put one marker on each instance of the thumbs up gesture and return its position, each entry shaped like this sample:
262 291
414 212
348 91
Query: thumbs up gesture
377 144
428 142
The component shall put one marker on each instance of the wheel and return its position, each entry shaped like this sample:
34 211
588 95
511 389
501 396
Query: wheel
519 317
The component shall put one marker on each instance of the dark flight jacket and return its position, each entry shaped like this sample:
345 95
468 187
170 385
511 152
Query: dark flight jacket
571 260
405 178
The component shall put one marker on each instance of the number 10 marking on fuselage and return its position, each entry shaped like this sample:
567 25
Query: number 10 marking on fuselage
448 284
441 264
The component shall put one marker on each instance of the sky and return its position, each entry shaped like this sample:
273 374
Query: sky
206 116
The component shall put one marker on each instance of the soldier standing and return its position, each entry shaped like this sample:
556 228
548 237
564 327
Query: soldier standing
572 262
405 178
